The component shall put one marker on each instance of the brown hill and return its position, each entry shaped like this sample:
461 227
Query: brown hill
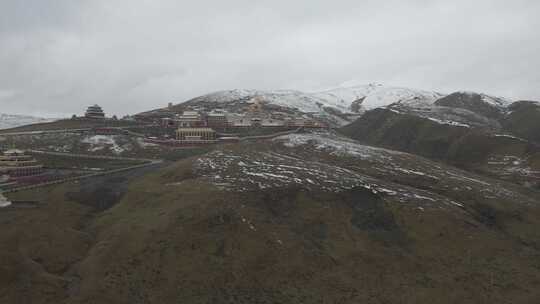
301 219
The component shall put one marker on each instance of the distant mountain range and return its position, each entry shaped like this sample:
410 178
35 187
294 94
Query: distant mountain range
342 105
11 120
352 99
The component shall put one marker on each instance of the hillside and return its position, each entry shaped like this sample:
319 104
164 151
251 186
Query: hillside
482 104
429 199
491 152
304 218
523 119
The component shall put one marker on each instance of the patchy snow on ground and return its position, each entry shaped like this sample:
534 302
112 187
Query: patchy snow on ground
448 122
512 166
100 142
144 145
510 136
336 145
392 165
498 102
267 170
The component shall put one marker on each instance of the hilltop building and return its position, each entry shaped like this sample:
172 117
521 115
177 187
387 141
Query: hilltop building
16 163
188 119
94 112
196 135
216 119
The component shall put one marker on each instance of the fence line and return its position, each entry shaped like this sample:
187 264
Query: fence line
147 163
80 155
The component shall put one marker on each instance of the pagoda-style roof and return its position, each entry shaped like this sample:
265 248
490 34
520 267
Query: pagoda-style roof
94 111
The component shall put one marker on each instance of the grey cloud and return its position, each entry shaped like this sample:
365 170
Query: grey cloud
129 56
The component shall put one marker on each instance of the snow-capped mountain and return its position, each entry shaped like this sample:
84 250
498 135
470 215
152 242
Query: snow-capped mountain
351 99
371 96
341 105
11 121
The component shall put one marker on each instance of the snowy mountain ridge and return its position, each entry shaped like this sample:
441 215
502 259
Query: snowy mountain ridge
341 105
351 99
8 121
373 96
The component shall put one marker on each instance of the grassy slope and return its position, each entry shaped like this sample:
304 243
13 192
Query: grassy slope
73 143
463 147
173 238
524 120
405 133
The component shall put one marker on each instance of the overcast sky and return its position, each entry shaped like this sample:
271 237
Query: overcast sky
133 55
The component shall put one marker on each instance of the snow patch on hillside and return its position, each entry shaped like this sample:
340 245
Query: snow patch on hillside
336 145
498 102
101 142
448 122
510 137
388 163
254 171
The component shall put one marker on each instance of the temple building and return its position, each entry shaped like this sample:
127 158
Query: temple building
94 112
196 135
190 119
216 119
16 163
238 121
